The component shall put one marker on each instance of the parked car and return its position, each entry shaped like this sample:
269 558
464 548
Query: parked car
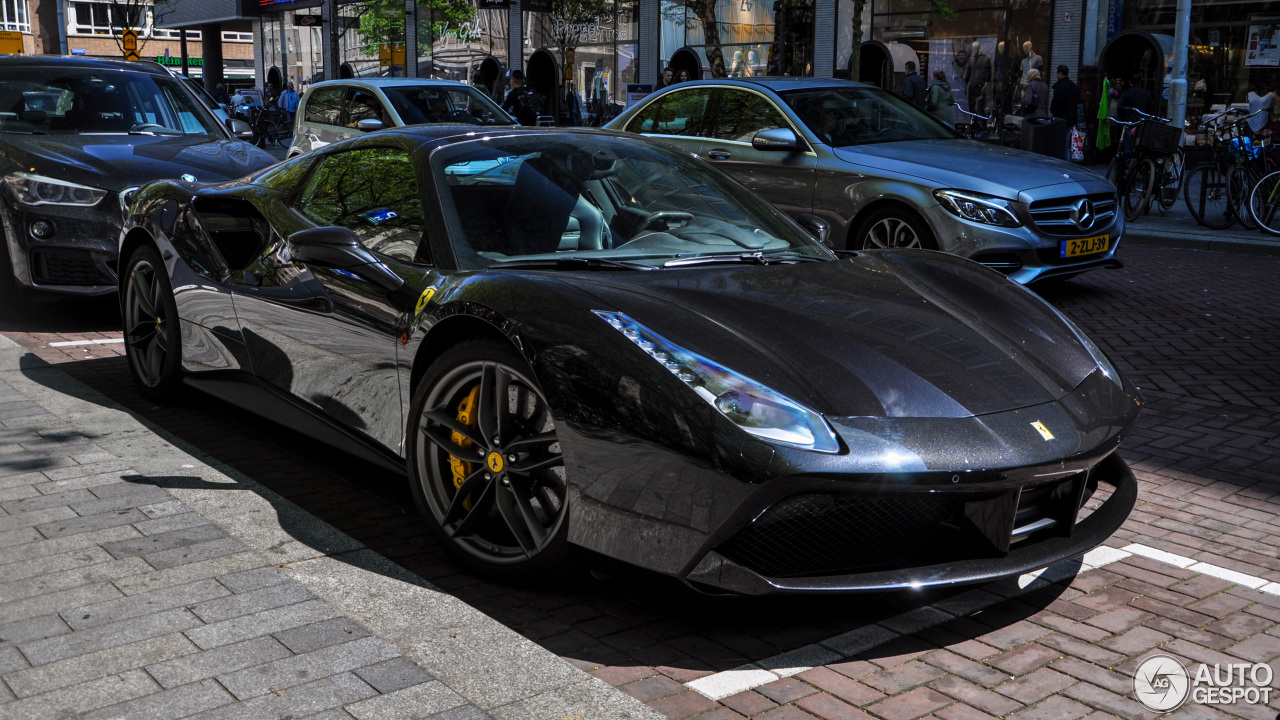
885 174
341 109
77 138
589 338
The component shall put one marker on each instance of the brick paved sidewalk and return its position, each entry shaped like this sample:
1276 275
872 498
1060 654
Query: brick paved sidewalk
120 600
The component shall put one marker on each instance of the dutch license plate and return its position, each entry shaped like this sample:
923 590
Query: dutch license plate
1085 246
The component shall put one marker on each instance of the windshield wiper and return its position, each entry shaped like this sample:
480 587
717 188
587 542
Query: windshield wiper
153 129
571 262
757 258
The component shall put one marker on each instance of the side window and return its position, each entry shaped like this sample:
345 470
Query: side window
324 106
363 105
678 113
742 114
374 193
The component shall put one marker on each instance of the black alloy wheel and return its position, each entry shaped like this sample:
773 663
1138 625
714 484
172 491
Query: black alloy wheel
152 336
485 463
893 228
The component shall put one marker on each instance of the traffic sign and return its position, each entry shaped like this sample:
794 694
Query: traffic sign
129 43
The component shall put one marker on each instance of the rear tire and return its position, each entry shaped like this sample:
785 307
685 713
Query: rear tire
1239 186
1137 194
1205 193
894 228
1171 182
152 330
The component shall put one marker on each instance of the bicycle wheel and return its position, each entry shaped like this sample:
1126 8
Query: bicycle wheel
1205 192
1240 182
1171 180
1138 189
1264 203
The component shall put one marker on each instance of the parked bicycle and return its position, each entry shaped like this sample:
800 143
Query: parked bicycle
1151 169
986 129
1207 190
1264 203
270 125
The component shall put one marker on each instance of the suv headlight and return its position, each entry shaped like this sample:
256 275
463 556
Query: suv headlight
978 208
32 189
751 406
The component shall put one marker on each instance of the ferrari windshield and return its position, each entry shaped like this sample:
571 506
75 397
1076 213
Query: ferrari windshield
603 201
843 116
99 101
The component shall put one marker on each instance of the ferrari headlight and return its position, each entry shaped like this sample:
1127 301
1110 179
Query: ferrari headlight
31 189
751 406
977 207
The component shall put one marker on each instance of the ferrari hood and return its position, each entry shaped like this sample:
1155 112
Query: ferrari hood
115 162
905 335
971 165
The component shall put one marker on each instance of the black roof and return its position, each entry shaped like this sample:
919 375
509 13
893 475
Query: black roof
20 61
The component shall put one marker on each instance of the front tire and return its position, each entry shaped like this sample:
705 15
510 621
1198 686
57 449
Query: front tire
152 331
1138 189
485 465
894 228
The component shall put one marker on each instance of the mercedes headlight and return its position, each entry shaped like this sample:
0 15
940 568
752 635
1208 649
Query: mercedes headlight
751 406
978 208
32 189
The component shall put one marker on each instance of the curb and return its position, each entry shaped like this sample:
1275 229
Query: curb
1194 241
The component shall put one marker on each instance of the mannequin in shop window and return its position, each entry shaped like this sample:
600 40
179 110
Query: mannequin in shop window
977 79
1030 61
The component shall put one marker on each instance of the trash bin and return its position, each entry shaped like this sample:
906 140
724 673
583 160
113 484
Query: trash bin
1047 136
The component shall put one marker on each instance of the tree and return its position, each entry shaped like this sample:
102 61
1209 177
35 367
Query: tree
381 22
129 15
705 11
938 8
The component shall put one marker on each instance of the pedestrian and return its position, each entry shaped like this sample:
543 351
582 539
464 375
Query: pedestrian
1131 105
940 102
668 78
288 101
220 94
913 87
525 104
1035 99
1065 105
682 76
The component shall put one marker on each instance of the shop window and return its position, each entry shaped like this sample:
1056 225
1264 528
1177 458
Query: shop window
103 18
15 16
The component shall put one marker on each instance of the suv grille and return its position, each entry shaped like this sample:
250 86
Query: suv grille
65 267
1060 216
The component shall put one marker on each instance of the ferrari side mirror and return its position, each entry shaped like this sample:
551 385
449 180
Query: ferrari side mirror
339 248
817 227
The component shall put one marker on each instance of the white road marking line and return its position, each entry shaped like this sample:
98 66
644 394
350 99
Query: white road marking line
731 682
72 343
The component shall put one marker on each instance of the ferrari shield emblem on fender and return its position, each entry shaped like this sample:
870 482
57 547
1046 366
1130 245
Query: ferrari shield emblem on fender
423 300
1044 431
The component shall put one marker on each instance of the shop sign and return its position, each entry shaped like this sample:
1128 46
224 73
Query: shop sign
177 61
536 5
1115 19
1262 48
307 20
466 32
492 4
10 43
637 92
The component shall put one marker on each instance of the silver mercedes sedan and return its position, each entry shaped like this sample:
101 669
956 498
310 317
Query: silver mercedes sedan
881 173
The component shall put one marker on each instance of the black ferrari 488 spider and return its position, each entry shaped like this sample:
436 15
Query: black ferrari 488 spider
583 339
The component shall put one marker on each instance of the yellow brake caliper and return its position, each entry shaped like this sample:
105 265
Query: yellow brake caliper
467 416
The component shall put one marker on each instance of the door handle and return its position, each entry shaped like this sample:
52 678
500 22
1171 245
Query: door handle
719 154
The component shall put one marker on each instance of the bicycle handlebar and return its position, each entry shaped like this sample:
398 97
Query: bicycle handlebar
991 119
1149 116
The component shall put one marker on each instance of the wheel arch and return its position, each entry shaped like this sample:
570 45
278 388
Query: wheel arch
874 207
460 326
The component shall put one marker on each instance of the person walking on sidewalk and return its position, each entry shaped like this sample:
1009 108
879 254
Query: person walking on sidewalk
1066 99
940 102
1035 99
288 101
913 87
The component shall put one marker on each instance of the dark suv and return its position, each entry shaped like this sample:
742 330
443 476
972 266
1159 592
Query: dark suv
77 138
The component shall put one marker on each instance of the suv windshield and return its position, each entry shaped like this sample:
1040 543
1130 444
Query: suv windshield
418 104
99 101
548 197
843 116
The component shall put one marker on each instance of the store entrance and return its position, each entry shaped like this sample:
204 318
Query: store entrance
686 59
488 75
1135 52
874 64
542 75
